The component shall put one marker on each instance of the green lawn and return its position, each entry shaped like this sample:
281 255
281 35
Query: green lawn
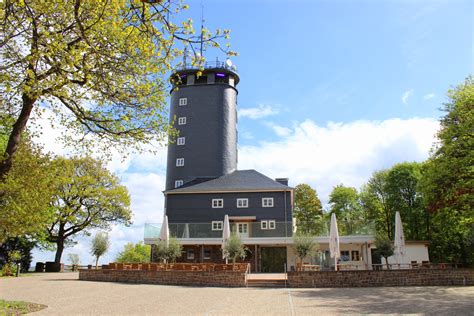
18 307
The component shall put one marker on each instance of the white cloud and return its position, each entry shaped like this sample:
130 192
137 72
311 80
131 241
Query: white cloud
281 131
325 156
263 110
406 95
429 96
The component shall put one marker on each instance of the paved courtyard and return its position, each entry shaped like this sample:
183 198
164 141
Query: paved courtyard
66 295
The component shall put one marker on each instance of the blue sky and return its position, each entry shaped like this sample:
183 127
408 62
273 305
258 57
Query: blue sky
330 91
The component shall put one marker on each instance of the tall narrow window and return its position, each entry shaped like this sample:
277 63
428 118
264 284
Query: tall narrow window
183 101
181 141
178 183
179 162
182 120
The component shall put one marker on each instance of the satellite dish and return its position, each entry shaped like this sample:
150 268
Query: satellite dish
228 62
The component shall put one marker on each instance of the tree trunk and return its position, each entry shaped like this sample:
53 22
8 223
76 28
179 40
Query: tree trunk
386 262
59 250
15 135
96 262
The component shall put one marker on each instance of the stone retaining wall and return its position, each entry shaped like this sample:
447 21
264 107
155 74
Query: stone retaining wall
193 278
413 277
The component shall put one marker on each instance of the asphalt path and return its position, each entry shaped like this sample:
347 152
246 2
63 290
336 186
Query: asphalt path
64 294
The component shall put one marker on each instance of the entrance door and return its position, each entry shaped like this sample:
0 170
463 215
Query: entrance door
243 229
273 259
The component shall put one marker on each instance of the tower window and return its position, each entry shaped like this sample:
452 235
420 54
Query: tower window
178 183
183 101
179 162
267 202
264 225
181 141
242 203
182 120
217 203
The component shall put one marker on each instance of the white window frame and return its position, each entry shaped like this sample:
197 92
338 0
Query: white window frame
266 200
179 162
183 101
217 203
271 224
178 183
217 225
182 120
245 203
181 141
264 225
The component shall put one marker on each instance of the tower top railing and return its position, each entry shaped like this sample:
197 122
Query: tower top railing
207 65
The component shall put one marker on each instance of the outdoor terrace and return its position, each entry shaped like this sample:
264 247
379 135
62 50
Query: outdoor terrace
185 231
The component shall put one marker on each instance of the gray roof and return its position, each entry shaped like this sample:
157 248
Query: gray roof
239 180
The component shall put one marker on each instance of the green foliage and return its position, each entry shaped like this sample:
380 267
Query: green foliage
87 196
19 307
384 248
344 201
10 267
304 246
397 189
308 210
24 207
99 246
234 249
448 180
100 67
23 246
170 252
134 253
74 259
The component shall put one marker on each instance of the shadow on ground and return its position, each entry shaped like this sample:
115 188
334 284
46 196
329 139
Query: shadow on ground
400 300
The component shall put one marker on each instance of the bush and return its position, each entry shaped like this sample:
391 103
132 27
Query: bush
168 253
234 248
134 253
304 246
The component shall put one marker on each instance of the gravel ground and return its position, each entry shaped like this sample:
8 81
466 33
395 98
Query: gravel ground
64 294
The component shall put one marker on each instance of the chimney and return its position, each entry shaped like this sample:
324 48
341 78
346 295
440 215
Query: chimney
283 181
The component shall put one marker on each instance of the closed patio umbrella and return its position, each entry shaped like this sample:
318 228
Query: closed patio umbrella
165 232
399 242
225 233
334 241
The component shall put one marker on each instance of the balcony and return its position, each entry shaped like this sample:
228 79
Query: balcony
204 230
186 231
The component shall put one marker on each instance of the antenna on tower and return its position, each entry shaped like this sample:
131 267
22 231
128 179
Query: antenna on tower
202 26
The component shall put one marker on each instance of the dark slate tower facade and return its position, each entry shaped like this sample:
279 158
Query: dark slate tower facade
204 111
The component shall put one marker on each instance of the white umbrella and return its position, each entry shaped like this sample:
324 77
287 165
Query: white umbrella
399 242
225 233
334 241
165 232
186 231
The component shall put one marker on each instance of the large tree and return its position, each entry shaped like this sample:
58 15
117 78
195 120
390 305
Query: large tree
375 201
344 201
99 66
404 195
308 210
26 191
448 180
87 197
